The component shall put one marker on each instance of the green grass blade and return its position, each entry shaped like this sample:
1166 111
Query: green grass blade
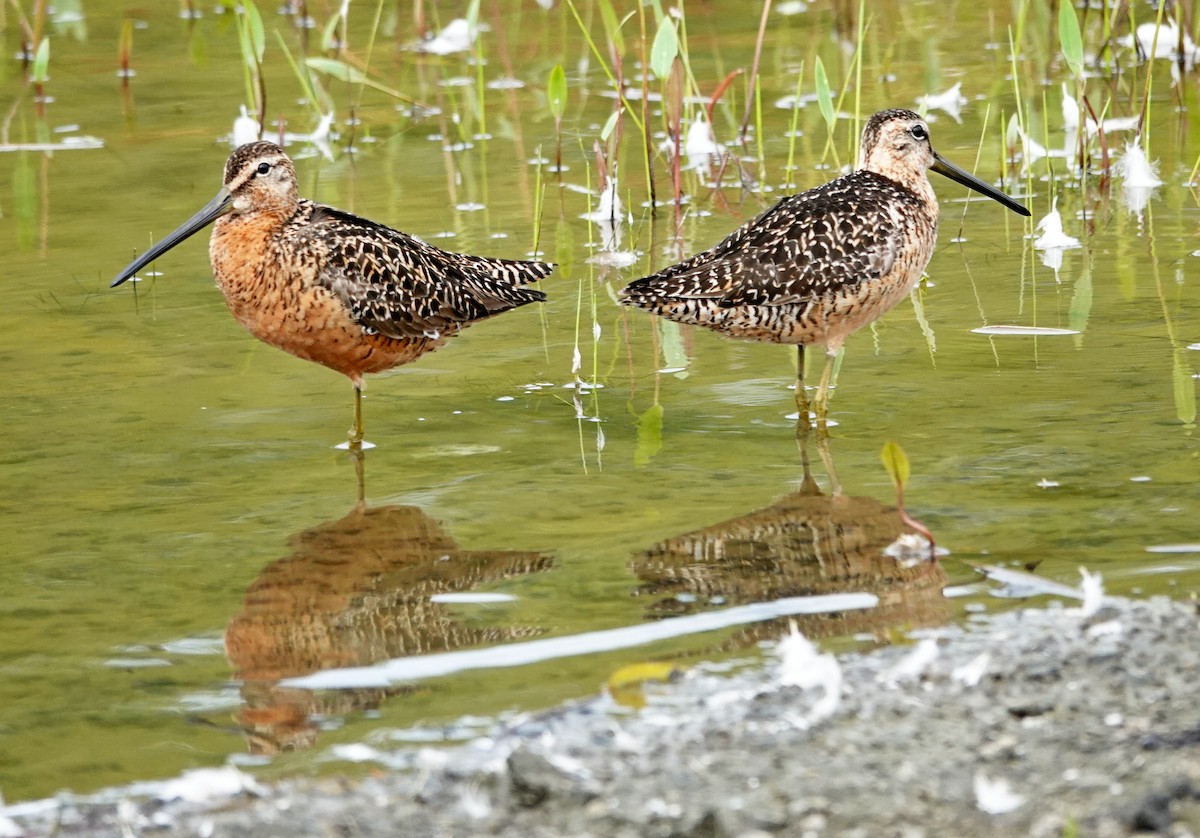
824 95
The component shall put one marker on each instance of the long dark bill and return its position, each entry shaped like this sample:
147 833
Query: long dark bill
944 167
213 210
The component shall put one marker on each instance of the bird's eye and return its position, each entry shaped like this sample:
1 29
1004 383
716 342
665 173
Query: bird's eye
263 168
919 132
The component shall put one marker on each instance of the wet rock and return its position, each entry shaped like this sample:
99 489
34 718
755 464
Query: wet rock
534 779
1025 706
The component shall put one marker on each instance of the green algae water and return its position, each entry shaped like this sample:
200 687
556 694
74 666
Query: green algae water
181 535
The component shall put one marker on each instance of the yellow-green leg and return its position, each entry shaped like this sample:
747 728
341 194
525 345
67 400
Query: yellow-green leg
356 431
822 405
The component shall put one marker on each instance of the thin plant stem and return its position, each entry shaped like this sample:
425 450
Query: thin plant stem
752 82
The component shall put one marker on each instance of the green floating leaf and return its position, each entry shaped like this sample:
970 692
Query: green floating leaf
896 463
41 62
665 49
556 92
1070 38
340 70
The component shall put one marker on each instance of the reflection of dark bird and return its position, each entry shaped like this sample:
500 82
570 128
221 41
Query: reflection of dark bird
822 264
330 287
801 545
355 592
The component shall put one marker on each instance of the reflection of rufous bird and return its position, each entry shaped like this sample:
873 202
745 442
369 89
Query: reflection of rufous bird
354 592
822 264
801 545
330 287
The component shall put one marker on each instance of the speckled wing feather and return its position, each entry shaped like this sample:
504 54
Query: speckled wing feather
845 232
397 285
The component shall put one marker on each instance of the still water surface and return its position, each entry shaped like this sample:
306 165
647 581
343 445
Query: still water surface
180 533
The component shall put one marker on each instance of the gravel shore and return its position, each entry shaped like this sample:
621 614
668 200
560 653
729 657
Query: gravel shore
1039 722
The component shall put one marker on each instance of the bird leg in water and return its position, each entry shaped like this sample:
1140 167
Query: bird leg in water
360 472
808 484
835 485
801 393
823 391
356 432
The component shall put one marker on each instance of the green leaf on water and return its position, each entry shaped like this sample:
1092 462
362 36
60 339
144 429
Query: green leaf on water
665 49
41 62
824 95
1070 38
556 92
896 463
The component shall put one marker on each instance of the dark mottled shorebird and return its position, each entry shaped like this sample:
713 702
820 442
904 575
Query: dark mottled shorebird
822 264
330 287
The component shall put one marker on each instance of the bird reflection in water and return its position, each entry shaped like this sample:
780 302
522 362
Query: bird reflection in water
353 592
804 544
